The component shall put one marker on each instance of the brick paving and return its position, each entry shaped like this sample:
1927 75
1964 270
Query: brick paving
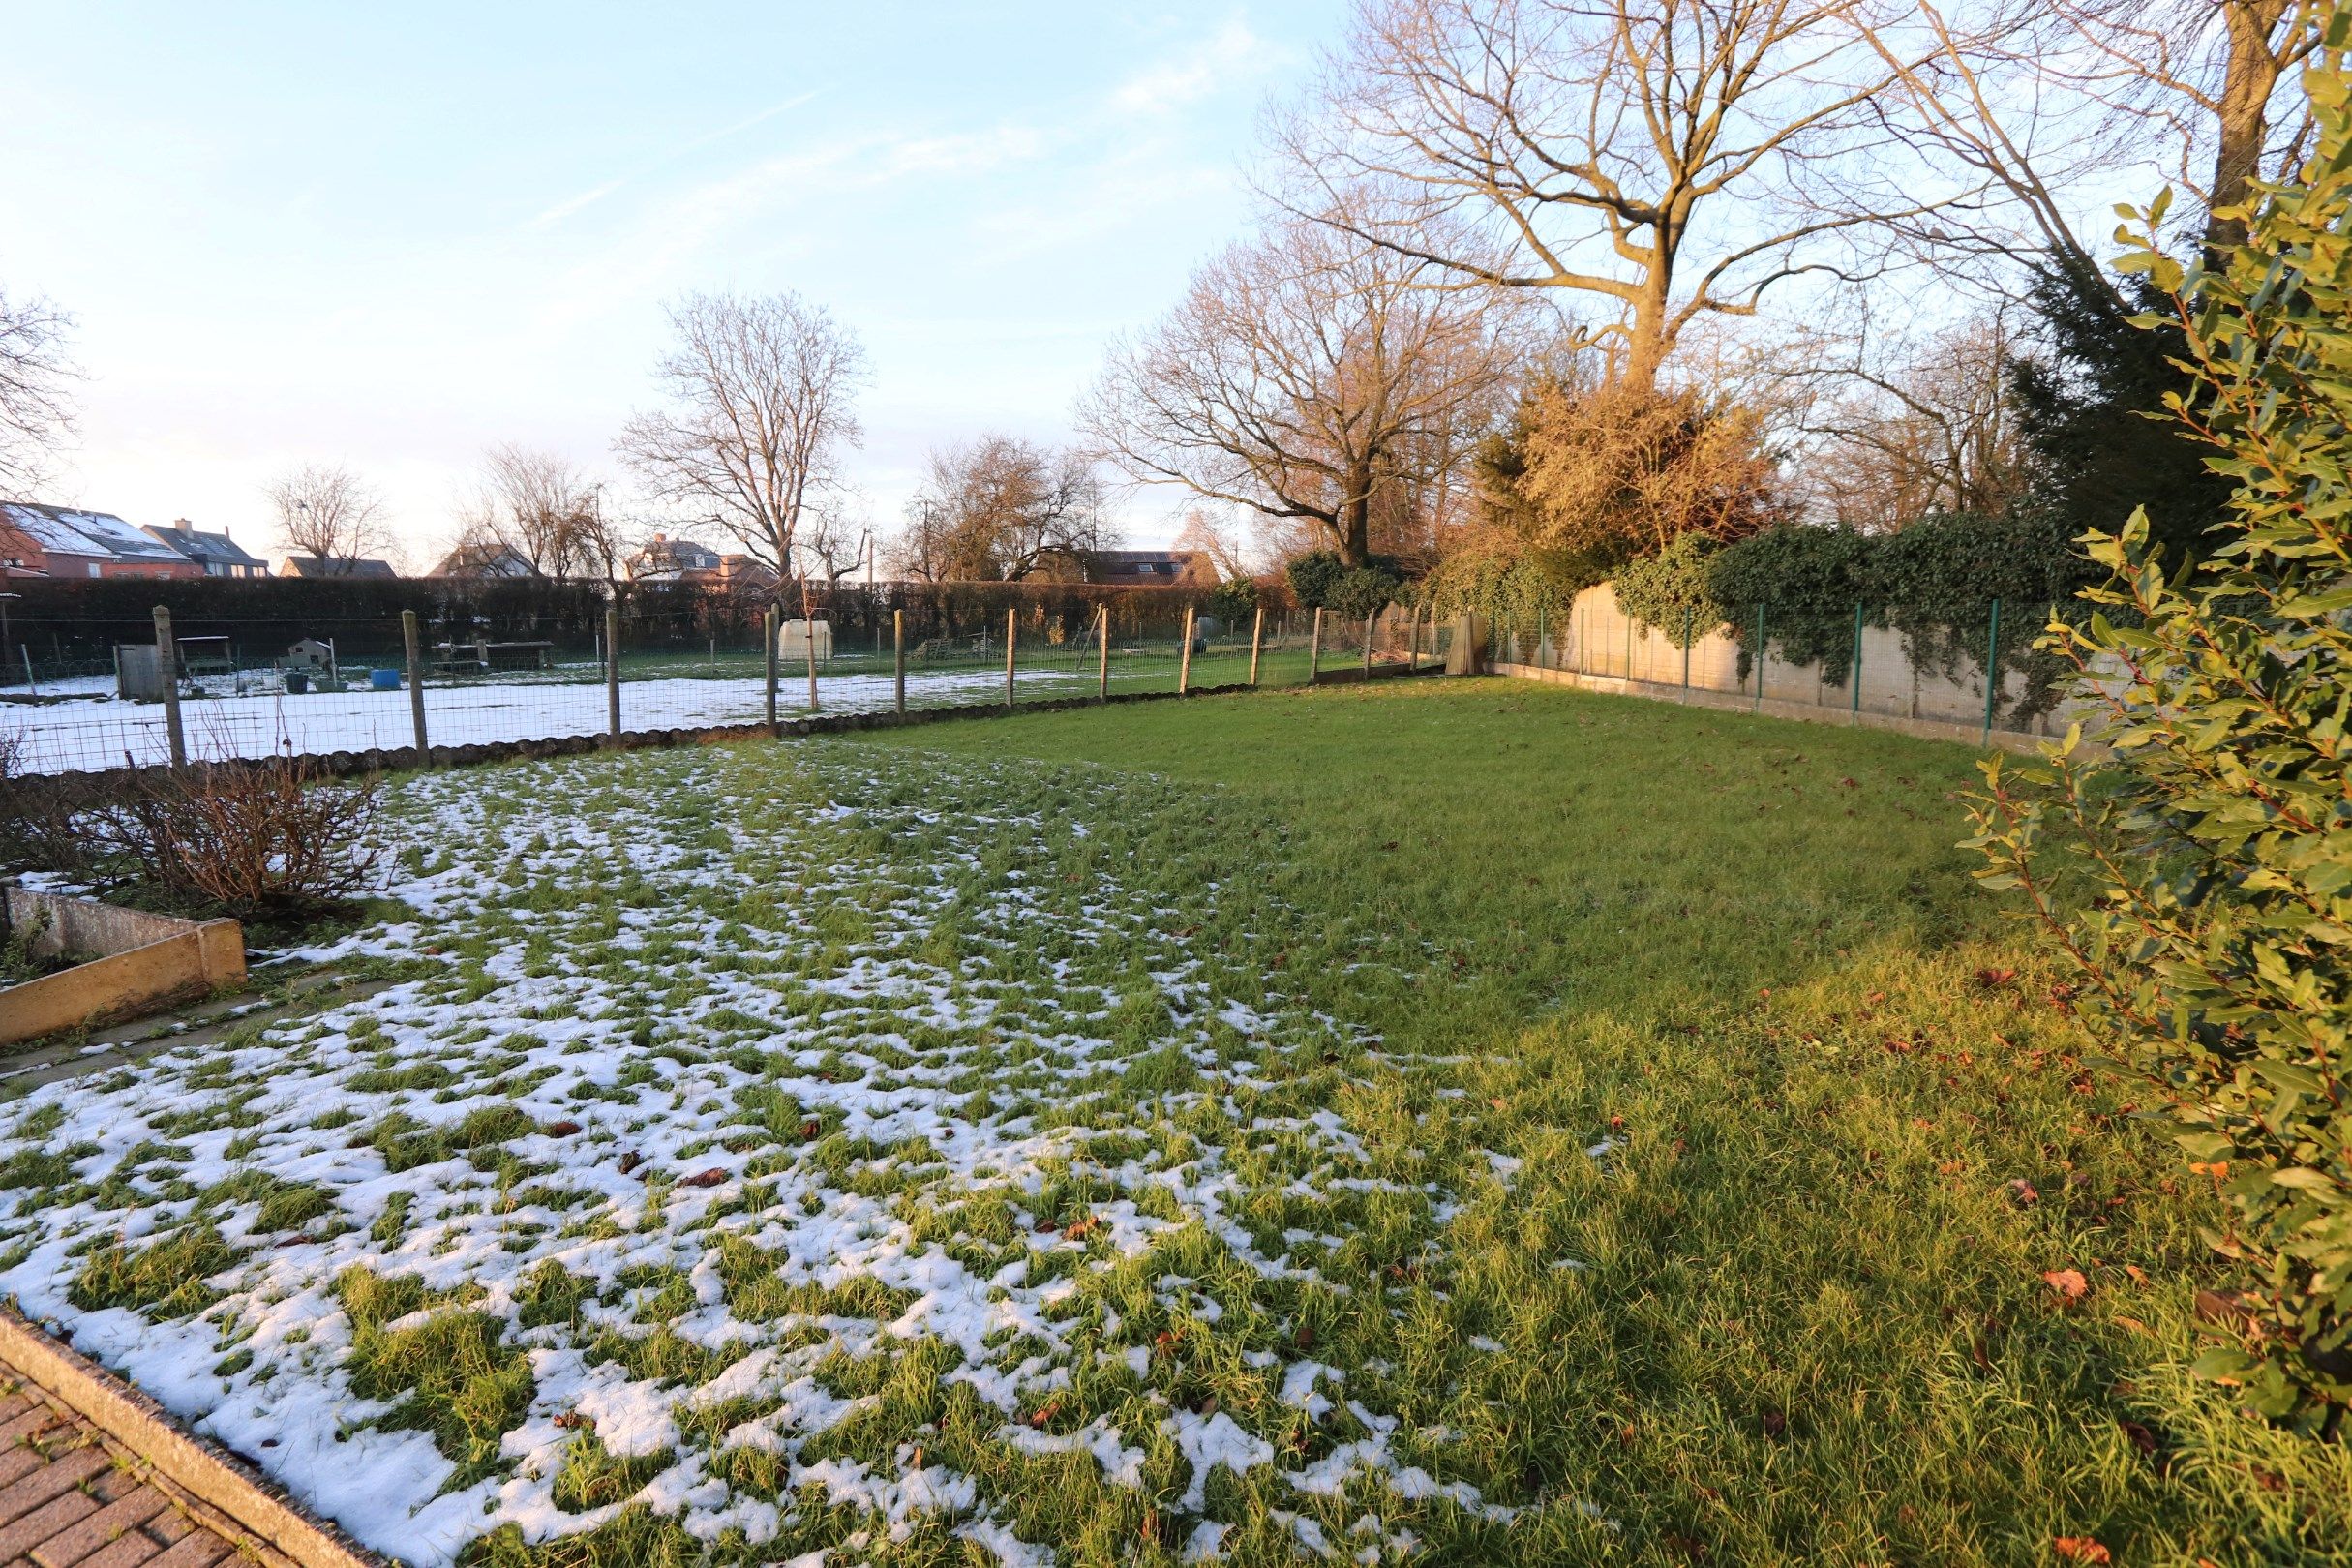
67 1502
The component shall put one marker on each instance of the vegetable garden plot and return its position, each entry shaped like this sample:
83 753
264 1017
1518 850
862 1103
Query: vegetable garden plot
772 1152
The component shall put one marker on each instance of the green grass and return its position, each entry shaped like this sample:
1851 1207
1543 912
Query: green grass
1637 1112
1853 1126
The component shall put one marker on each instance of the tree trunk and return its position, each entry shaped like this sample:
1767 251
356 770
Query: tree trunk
2253 72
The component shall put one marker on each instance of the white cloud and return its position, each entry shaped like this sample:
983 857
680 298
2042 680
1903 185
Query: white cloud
1232 54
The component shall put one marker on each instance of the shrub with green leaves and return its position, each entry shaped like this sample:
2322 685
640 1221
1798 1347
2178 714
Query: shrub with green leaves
2199 874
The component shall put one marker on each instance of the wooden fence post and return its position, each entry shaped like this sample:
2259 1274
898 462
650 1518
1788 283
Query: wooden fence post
168 671
809 640
612 672
772 625
1184 659
1103 655
1314 647
1013 622
416 686
1257 641
1369 621
899 641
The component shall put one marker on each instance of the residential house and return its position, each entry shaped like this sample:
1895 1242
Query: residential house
483 560
337 566
664 560
1151 568
217 554
37 540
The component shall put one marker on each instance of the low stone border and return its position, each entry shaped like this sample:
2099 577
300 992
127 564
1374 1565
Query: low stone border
230 1494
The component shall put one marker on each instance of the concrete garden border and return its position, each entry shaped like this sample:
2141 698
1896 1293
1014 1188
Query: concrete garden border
146 962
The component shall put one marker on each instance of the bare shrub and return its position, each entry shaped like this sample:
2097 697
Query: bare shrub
240 838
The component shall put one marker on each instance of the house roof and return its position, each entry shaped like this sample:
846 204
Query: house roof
113 537
1143 563
203 547
314 567
482 560
62 530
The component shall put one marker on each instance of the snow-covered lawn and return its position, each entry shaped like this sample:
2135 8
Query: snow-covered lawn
793 1148
97 729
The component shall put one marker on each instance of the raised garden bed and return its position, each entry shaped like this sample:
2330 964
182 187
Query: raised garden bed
141 962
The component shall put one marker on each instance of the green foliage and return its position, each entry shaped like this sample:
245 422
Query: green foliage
1233 601
1510 590
2091 413
2201 879
1667 592
1807 580
1320 578
1933 582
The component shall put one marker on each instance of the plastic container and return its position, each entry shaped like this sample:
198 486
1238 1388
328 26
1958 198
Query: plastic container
383 679
297 681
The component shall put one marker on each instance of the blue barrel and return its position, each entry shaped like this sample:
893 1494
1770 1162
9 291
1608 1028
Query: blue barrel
383 679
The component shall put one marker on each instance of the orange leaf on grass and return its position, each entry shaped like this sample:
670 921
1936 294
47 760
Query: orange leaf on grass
2068 1282
2080 1549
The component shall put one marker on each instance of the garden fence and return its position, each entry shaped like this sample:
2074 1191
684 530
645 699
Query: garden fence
236 688
1865 662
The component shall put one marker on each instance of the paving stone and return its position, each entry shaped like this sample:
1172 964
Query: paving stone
124 1514
62 1474
21 1534
195 1551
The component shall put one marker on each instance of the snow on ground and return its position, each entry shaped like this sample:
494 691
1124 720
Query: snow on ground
790 1148
103 731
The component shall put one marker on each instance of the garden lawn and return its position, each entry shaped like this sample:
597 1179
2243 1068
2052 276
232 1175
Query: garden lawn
1438 1122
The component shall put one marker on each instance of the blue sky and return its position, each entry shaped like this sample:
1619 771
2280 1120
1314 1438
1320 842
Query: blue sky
392 236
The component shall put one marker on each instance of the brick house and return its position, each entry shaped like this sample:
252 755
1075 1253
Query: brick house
37 540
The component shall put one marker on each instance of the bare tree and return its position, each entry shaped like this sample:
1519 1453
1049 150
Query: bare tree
835 542
1903 430
35 374
1004 508
2041 102
330 513
1205 533
761 391
538 508
602 539
1303 376
1663 160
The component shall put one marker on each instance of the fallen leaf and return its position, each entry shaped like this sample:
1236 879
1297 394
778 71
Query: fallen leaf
1992 980
573 1418
809 1129
2141 1438
561 1129
630 1161
705 1178
1775 1425
2023 1191
2068 1282
2081 1549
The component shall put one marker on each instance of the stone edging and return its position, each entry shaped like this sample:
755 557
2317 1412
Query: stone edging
276 1529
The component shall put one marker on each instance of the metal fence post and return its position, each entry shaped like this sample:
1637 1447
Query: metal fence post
1314 647
1012 624
1543 621
898 644
416 686
772 625
1854 677
1184 659
168 671
1367 637
1992 673
611 672
1686 654
1257 641
1103 655
1757 708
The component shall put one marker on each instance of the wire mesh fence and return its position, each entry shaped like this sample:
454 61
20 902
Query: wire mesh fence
1896 662
208 689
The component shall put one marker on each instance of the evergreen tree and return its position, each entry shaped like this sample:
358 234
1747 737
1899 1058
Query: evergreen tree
2094 417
